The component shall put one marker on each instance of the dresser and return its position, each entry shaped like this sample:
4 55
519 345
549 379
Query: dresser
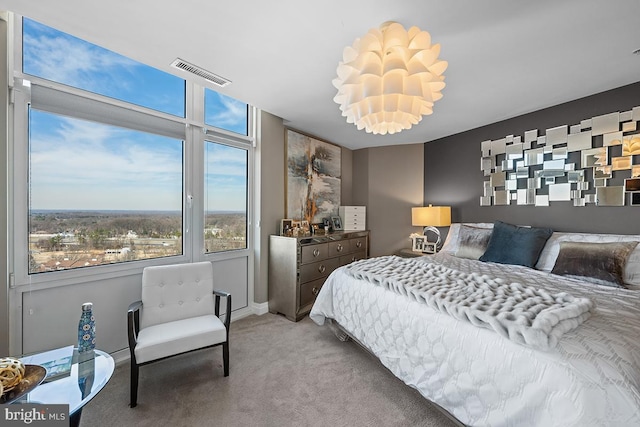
298 267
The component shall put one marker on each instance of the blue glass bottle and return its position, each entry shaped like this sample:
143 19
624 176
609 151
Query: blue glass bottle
87 329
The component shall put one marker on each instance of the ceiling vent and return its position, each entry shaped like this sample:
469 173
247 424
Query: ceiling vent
193 69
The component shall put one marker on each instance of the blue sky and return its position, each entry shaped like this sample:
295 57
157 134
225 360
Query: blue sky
77 164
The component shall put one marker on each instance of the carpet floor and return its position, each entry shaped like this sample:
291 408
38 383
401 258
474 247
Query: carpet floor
281 374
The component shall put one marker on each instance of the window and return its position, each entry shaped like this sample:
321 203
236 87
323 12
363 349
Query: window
104 159
225 226
225 113
59 57
100 194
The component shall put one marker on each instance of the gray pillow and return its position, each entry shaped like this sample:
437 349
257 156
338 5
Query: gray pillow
473 241
511 244
601 263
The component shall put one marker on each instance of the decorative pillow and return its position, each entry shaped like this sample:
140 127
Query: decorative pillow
601 263
452 241
473 241
550 252
511 244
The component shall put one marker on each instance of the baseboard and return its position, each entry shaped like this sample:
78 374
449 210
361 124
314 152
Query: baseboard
121 356
260 308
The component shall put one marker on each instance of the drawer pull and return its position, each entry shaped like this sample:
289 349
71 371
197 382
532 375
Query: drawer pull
358 244
322 268
339 247
316 252
353 258
315 291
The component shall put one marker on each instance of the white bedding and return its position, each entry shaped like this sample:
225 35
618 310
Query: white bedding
591 378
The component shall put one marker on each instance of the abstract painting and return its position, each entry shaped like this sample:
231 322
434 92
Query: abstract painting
313 178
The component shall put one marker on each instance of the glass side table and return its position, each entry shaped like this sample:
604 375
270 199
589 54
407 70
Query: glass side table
89 373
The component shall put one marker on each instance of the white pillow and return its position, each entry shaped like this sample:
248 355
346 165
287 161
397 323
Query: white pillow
550 251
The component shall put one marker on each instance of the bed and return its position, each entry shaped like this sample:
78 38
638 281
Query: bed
588 373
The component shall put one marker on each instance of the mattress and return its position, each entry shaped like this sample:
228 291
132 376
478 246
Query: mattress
591 377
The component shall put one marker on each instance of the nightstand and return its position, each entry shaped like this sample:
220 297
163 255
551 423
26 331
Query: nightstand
408 253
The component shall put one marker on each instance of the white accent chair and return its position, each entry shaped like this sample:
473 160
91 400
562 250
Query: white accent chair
179 312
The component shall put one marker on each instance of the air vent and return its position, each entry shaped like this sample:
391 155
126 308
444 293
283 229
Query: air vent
193 69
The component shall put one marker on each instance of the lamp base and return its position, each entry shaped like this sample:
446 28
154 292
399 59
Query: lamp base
435 244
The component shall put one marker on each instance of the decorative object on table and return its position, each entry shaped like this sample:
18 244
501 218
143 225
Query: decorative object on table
18 379
389 79
431 217
317 229
86 373
353 217
298 229
86 329
285 227
327 224
313 178
584 163
336 223
304 227
57 362
11 373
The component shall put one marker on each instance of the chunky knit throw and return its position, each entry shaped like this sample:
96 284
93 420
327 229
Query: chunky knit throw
520 313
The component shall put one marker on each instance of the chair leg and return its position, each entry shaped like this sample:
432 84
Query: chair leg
134 384
225 358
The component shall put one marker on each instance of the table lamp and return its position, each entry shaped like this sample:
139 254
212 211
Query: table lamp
431 217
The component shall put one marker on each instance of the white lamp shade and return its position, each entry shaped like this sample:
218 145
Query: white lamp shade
389 79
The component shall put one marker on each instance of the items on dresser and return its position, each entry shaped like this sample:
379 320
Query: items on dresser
353 217
298 267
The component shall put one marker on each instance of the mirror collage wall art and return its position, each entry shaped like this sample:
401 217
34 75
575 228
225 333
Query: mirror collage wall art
594 162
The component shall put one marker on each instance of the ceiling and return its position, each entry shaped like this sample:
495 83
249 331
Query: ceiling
506 57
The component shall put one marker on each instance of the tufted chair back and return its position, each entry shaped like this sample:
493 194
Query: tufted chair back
176 292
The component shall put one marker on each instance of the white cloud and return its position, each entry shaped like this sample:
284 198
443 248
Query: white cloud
71 61
230 112
83 165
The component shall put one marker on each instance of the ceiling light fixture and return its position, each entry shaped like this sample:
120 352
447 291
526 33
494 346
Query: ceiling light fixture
389 79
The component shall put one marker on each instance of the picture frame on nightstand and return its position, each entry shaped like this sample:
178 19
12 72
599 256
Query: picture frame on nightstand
420 244
429 247
417 243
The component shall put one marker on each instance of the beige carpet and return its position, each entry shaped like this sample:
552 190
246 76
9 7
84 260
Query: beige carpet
282 374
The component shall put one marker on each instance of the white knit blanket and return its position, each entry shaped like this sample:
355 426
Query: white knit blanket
523 314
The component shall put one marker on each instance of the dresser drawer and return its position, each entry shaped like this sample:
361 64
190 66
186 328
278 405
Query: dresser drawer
313 253
349 258
339 247
353 225
358 244
309 291
318 270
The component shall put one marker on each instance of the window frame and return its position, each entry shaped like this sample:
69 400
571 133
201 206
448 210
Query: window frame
54 97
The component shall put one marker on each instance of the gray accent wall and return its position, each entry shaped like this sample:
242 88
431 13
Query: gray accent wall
452 173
